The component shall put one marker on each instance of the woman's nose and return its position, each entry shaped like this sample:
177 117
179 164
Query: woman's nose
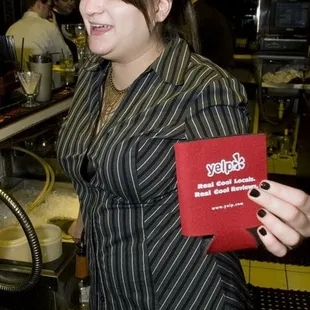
92 6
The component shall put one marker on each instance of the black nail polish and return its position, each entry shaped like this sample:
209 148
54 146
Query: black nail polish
254 193
261 213
265 186
263 231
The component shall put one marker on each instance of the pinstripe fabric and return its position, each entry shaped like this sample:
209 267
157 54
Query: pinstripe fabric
138 257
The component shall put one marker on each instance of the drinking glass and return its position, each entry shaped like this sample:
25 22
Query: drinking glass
30 82
77 34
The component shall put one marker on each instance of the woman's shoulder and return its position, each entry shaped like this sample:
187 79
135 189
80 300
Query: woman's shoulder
212 78
208 71
206 65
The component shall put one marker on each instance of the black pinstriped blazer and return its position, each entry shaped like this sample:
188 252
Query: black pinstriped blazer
138 257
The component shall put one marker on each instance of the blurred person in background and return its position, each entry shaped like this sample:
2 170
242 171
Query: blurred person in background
66 12
215 34
40 35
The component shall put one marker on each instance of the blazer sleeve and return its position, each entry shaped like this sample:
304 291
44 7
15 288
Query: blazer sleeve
220 109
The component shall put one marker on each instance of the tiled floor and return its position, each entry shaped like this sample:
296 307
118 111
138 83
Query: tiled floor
277 276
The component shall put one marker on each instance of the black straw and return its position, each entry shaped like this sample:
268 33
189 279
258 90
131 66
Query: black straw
22 55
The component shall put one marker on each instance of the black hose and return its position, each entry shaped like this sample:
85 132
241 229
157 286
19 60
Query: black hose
33 241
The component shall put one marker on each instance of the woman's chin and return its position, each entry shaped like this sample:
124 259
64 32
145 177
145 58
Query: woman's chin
98 48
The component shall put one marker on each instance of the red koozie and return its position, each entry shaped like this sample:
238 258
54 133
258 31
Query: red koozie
214 176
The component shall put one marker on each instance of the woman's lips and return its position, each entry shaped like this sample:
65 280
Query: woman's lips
97 30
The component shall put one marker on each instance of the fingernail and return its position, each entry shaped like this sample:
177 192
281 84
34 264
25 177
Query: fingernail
261 213
265 185
263 231
254 193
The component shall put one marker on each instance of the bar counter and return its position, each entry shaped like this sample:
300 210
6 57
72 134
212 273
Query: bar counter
14 118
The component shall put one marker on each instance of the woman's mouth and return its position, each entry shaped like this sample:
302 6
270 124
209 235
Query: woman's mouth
97 30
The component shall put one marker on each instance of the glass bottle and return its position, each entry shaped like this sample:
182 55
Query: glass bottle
285 144
81 273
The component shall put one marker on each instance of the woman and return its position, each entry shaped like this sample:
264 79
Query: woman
142 92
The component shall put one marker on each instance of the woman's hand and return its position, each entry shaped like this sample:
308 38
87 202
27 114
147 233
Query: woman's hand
76 228
285 216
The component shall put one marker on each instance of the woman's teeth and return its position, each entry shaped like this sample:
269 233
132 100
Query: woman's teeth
102 26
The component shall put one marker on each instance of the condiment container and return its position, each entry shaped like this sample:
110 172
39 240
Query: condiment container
14 244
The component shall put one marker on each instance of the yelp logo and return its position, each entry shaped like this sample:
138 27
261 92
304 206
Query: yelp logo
224 166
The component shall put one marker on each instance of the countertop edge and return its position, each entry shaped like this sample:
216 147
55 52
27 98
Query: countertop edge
33 119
